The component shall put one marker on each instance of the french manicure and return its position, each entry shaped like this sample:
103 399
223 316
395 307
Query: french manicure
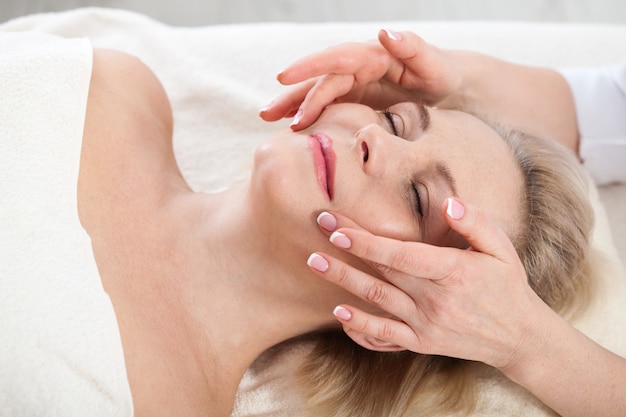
340 240
327 221
342 313
393 35
296 118
455 209
317 262
265 108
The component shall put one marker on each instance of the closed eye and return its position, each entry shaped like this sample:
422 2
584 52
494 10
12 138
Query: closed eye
389 117
418 201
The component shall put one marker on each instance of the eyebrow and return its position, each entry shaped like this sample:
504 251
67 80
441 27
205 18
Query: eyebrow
445 172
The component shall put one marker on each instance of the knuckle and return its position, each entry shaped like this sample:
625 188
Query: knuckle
341 275
383 269
366 250
402 260
385 331
376 294
362 325
454 269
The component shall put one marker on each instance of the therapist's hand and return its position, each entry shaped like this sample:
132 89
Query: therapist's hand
398 67
472 304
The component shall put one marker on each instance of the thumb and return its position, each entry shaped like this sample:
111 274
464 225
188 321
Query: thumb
403 45
479 230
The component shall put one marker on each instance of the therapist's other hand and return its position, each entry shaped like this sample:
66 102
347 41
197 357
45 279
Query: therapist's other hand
472 304
398 67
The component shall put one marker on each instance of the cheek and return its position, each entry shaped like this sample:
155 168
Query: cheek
384 215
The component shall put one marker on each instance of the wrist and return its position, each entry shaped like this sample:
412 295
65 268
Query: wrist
465 91
531 352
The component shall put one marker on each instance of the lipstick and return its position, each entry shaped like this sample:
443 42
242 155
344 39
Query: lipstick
324 161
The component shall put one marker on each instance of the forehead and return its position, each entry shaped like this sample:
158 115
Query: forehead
484 168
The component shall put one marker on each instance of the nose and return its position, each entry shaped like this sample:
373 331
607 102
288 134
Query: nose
376 148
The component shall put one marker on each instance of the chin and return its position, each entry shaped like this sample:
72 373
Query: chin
283 189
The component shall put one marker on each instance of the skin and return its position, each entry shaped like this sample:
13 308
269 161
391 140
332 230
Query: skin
388 71
469 304
202 284
377 188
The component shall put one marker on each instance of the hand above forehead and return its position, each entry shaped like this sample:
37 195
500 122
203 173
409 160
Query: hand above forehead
398 67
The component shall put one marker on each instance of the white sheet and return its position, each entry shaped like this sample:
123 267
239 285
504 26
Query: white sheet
218 77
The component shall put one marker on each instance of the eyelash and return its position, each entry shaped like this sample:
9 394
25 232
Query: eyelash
389 117
418 201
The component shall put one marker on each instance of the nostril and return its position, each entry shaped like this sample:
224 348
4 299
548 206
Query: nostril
365 151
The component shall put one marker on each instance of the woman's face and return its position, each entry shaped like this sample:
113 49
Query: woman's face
390 171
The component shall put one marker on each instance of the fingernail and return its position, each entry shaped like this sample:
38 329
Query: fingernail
296 118
318 263
455 209
396 36
342 313
265 108
327 221
340 240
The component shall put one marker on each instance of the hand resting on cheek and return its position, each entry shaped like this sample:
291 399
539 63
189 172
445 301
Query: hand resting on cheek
466 303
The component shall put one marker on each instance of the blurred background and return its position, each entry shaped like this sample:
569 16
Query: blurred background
208 12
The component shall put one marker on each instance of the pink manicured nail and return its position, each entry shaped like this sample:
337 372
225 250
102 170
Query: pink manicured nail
296 118
340 240
327 221
396 36
342 313
455 209
318 263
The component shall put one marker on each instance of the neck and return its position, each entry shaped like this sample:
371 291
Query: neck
201 287
251 289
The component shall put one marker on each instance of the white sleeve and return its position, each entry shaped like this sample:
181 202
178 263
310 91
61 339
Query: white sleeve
600 99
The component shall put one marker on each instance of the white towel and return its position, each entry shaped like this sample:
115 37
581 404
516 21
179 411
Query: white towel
61 352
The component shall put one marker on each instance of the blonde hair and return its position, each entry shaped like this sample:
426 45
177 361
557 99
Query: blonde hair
342 379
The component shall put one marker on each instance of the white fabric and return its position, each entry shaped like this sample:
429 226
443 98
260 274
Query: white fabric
600 98
61 353
217 78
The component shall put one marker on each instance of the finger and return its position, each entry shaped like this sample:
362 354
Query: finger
288 103
397 261
374 291
330 221
308 99
479 230
325 91
403 45
374 332
347 58
419 65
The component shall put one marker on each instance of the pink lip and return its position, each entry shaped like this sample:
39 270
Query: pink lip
324 159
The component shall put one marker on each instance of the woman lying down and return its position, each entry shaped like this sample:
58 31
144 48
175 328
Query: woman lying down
202 284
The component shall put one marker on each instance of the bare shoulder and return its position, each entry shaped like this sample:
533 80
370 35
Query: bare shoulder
129 81
127 153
